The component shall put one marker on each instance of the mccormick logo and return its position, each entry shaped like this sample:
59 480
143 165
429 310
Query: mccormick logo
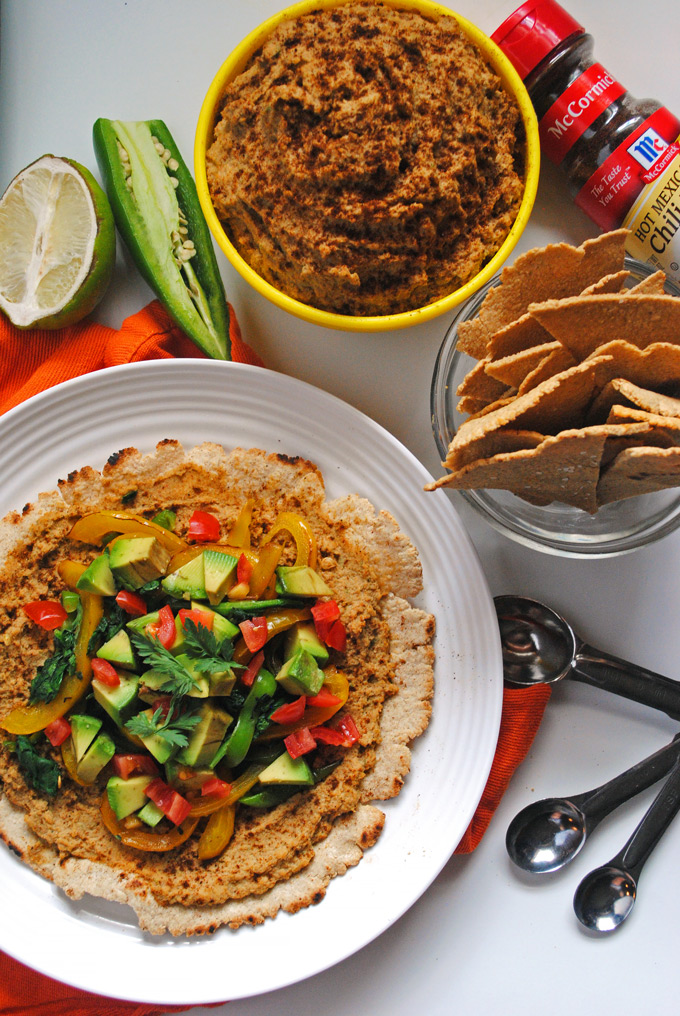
648 148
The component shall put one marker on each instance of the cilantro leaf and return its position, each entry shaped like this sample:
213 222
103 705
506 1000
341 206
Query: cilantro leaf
178 681
172 729
109 626
207 654
48 677
41 773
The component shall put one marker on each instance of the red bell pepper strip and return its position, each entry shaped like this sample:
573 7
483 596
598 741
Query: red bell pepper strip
252 670
254 633
57 731
324 699
173 805
204 617
244 569
290 712
49 614
131 603
105 672
348 728
337 636
326 735
299 742
204 527
216 787
165 630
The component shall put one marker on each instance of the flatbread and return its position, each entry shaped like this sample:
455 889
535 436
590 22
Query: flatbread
284 858
637 471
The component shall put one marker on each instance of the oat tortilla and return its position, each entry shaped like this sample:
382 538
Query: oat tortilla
285 857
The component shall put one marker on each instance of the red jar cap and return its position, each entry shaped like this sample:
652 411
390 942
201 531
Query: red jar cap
533 31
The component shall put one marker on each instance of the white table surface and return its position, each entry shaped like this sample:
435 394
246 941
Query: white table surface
482 939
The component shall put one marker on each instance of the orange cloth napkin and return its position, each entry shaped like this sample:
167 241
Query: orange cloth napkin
30 362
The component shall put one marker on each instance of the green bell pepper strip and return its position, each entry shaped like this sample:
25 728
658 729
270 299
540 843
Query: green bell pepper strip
234 749
164 227
269 796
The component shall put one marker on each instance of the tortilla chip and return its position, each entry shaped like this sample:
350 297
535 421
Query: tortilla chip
519 335
480 385
560 402
556 271
493 406
655 283
638 471
609 284
554 363
583 323
631 414
564 467
512 370
620 391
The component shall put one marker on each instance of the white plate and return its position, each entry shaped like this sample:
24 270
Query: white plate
96 945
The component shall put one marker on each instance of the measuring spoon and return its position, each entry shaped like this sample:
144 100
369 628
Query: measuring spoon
548 834
606 896
540 647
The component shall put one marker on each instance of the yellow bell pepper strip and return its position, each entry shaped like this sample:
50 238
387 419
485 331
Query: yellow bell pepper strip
239 534
217 833
93 528
277 622
69 759
302 533
140 839
264 570
69 572
314 716
240 786
30 718
156 208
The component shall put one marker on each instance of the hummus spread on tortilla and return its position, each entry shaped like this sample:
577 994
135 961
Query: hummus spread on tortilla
296 832
367 160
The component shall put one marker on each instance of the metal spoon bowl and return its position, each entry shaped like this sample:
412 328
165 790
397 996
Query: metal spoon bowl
540 647
548 834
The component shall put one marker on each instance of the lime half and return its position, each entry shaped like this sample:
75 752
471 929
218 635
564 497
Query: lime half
57 244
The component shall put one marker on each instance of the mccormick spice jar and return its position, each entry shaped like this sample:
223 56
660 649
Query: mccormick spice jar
621 155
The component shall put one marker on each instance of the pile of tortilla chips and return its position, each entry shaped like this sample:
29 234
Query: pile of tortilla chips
576 394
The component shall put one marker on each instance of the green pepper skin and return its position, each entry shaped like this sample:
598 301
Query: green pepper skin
233 751
138 223
268 797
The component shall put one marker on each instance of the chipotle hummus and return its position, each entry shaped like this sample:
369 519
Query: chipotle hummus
367 160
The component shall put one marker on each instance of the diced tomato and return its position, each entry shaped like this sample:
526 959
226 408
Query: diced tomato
105 672
291 712
57 731
49 614
254 633
325 612
163 702
131 603
348 728
326 735
336 637
204 617
173 805
244 569
134 765
252 670
167 633
324 699
299 742
216 787
204 527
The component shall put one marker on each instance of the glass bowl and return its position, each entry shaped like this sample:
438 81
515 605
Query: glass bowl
617 528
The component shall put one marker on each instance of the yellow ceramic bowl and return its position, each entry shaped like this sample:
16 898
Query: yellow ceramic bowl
233 66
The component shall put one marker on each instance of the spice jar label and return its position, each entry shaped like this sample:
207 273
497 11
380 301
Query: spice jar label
576 109
654 221
615 185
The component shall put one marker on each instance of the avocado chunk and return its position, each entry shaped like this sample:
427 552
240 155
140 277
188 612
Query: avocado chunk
206 736
119 702
143 626
188 582
126 796
285 769
136 560
84 729
151 681
160 747
100 752
151 814
222 681
300 580
98 578
303 636
118 650
301 674
220 574
222 627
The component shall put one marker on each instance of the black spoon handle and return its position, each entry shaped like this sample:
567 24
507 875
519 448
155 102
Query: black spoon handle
604 799
602 670
654 824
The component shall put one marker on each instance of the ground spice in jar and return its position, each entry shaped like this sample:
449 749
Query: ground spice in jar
621 155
